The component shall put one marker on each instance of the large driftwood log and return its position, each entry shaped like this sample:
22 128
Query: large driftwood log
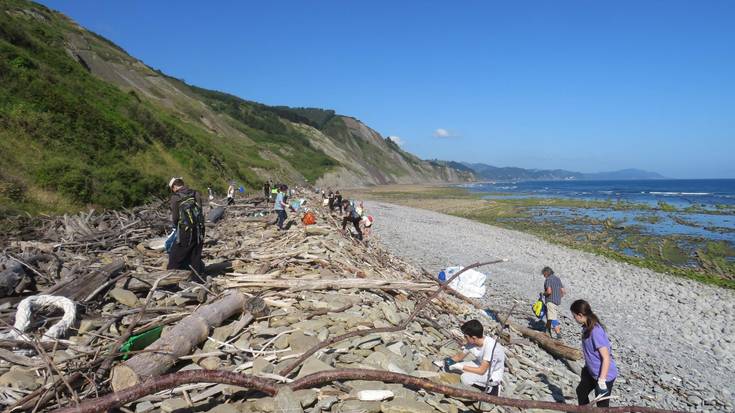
554 347
144 281
250 281
80 287
180 340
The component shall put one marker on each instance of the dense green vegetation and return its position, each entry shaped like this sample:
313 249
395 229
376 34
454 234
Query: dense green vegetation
264 125
69 139
311 116
83 124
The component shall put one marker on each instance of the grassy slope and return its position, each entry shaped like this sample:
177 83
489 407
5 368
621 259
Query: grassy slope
68 139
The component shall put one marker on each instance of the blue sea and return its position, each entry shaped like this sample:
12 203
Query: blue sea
678 192
704 208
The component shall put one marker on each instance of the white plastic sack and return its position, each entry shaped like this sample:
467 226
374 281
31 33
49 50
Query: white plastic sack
470 283
157 244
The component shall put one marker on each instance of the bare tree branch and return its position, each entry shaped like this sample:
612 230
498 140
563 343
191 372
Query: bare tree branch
168 381
115 400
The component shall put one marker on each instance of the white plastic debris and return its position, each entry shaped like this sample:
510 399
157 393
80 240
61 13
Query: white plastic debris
470 283
374 395
25 312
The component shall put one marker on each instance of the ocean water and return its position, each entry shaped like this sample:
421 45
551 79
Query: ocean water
681 193
705 209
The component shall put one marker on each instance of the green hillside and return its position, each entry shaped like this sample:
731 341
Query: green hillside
68 138
82 124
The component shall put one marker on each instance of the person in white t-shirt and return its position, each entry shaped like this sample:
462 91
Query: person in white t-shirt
231 194
488 359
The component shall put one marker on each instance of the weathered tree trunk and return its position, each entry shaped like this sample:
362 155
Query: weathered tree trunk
178 341
554 347
249 281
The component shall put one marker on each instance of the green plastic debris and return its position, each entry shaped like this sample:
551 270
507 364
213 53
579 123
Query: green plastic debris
140 341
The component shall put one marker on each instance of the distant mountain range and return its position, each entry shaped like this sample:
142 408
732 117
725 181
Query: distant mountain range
488 172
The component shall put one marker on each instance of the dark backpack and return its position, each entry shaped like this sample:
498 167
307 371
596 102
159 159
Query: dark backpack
191 221
353 212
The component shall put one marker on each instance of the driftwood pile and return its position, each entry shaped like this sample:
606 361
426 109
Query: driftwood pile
307 319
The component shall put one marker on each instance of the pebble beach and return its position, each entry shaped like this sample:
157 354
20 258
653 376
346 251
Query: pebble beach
673 338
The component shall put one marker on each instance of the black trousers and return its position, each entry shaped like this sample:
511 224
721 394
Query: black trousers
493 390
355 222
281 218
182 256
586 384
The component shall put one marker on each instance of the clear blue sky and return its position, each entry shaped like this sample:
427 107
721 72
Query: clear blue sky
580 85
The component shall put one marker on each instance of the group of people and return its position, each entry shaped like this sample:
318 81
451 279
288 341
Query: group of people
486 368
230 200
600 369
351 212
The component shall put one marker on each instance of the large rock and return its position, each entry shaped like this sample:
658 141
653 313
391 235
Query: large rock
300 342
261 365
357 406
306 397
405 406
313 365
310 325
228 408
176 404
19 378
264 404
286 402
124 297
391 312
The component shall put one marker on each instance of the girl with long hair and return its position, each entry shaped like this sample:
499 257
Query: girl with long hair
599 372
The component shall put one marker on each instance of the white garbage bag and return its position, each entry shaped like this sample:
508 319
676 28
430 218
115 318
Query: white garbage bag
470 283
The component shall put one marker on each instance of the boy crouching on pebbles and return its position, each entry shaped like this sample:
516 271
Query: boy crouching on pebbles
486 370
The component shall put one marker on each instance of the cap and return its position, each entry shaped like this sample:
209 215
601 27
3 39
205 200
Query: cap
172 181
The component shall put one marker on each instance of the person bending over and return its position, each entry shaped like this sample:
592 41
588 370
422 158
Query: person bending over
486 370
349 214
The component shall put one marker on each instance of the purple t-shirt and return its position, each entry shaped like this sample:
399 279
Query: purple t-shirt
592 359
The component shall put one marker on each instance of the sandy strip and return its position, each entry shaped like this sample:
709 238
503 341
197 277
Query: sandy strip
666 330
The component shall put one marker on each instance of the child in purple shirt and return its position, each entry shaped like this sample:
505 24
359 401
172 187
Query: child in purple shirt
600 370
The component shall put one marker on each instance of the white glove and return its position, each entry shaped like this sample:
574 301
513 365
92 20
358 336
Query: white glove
457 366
601 386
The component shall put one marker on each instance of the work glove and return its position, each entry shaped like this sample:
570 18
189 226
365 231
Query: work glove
601 386
457 366
448 364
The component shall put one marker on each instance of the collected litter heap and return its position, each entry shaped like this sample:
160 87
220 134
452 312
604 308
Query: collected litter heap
307 319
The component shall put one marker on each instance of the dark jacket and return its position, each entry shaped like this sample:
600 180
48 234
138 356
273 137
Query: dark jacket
177 197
